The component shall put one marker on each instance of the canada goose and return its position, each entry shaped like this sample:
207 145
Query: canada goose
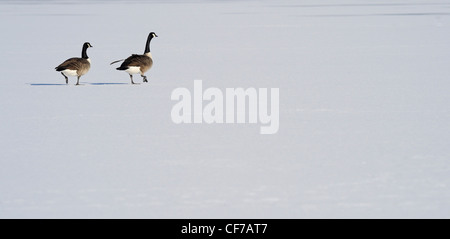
76 66
138 63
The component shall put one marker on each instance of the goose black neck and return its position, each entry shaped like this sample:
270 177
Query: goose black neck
147 45
84 52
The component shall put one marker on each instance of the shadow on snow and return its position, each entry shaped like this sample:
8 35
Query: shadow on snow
52 84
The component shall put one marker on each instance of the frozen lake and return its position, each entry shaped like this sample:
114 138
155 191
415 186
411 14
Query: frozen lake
364 110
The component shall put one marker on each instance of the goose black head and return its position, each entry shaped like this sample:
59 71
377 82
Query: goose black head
152 34
86 45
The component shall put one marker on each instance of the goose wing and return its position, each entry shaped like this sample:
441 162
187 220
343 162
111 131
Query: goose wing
136 60
114 62
73 64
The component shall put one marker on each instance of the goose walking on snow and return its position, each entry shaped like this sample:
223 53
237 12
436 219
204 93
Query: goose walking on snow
76 66
138 64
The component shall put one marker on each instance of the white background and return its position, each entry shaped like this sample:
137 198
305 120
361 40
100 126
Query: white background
364 110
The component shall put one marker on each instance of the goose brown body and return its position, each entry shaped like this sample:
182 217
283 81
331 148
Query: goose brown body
80 65
144 62
76 66
138 64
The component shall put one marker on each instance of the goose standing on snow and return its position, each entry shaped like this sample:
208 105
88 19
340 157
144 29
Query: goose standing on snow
76 66
138 64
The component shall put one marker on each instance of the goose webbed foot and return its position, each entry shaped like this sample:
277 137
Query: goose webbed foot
132 82
67 79
144 79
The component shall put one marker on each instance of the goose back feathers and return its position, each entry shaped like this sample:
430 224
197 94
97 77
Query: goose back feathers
76 66
138 64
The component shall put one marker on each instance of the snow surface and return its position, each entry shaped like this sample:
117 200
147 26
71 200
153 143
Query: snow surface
364 110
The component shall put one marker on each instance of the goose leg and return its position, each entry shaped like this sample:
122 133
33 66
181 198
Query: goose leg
144 78
131 77
67 79
78 80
